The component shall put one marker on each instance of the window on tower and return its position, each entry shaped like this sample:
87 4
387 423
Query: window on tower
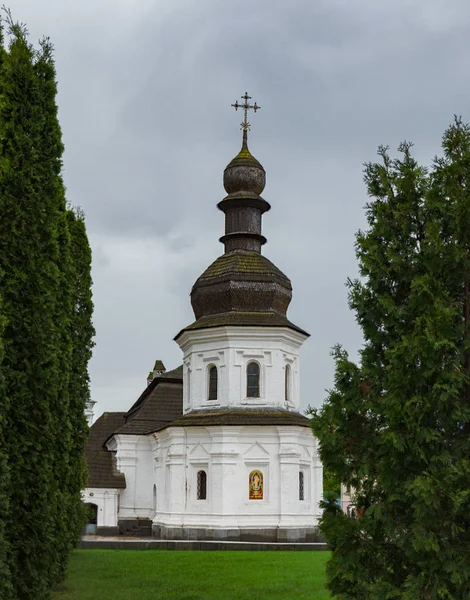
201 485
287 383
212 383
252 380
301 486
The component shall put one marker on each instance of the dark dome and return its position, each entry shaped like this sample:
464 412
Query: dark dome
244 174
241 281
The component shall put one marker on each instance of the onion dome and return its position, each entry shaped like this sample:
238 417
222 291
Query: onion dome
244 175
242 287
241 281
244 180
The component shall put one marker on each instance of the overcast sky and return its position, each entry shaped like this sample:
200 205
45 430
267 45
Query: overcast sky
145 88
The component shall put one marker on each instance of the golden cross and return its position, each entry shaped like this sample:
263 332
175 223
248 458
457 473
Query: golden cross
246 107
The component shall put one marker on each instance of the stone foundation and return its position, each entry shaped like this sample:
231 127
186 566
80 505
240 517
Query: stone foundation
275 534
107 531
135 527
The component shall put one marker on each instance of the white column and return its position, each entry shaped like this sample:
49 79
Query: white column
224 472
289 460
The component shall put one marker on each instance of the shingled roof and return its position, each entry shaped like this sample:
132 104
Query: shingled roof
242 319
102 472
236 416
160 403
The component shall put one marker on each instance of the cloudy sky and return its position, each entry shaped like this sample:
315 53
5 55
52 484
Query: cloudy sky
145 88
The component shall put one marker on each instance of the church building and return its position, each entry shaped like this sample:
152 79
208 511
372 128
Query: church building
217 448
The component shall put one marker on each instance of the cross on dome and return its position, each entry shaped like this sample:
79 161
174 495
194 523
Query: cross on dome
246 106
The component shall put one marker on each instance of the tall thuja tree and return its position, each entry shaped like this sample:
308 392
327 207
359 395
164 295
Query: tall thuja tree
36 286
5 580
394 427
52 190
25 233
82 333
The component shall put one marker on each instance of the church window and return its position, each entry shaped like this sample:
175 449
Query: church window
201 485
287 384
213 383
255 485
301 486
252 380
188 386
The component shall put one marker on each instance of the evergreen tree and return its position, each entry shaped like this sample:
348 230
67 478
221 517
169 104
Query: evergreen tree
82 333
5 581
44 434
395 427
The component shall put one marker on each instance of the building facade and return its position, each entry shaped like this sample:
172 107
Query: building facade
217 449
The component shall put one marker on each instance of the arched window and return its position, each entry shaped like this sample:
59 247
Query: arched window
252 380
301 486
201 485
188 386
212 383
287 384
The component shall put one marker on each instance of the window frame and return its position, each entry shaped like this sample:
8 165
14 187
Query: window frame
201 485
258 375
288 383
210 392
301 486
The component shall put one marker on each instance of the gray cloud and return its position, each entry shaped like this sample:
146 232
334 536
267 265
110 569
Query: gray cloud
145 93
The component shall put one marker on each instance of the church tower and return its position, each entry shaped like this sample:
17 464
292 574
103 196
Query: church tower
242 462
242 352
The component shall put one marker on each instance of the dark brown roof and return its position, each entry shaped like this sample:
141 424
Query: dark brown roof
160 403
262 319
243 264
175 374
102 472
248 416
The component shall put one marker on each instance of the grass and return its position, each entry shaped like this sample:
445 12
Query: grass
196 575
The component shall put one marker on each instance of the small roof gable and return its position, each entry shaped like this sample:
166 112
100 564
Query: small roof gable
102 472
160 404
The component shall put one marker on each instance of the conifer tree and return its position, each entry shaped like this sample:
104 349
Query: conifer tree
43 433
82 333
5 581
396 426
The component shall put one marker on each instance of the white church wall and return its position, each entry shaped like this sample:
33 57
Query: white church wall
106 500
134 458
230 349
229 454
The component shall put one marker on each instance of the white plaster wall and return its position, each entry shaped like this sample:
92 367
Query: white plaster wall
230 349
134 458
228 454
106 499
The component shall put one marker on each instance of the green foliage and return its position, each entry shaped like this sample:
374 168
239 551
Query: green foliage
331 483
43 434
82 333
396 427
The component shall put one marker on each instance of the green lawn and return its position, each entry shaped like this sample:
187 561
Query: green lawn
196 575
